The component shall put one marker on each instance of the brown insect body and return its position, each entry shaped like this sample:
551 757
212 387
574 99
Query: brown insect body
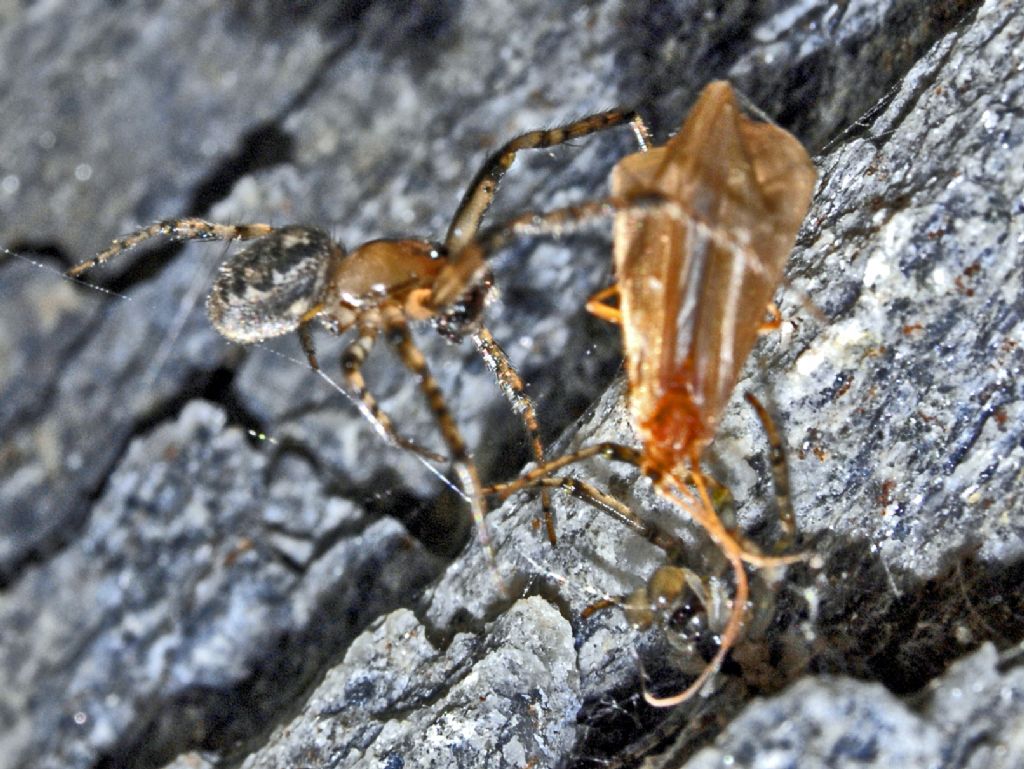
703 227
693 291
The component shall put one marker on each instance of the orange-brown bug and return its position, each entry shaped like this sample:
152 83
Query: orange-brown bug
703 228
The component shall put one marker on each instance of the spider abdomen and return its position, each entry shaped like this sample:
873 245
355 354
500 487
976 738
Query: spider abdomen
270 287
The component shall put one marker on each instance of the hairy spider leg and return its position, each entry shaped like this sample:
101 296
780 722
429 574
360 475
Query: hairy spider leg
670 543
481 190
512 387
467 249
352 359
698 504
780 472
463 230
174 229
396 332
591 216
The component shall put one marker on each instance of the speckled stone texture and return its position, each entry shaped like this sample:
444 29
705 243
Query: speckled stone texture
200 543
968 717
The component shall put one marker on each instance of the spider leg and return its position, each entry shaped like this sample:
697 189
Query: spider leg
306 340
699 507
468 265
561 222
398 336
482 188
511 385
174 229
607 504
352 359
535 477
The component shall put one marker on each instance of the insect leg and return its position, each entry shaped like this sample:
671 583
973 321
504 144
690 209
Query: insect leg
598 305
400 339
780 473
699 506
774 321
352 359
534 477
512 386
607 504
482 188
174 229
733 550
703 513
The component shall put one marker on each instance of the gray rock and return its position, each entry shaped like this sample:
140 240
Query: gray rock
188 600
398 700
971 716
104 130
902 412
114 371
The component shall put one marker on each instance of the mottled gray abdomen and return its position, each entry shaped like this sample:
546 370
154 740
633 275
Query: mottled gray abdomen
267 288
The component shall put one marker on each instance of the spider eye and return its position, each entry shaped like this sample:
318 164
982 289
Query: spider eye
266 289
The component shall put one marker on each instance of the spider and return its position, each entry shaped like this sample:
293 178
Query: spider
292 275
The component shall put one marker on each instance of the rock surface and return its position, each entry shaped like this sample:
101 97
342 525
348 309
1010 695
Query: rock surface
968 717
194 534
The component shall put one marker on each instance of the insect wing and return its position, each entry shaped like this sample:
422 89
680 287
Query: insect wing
695 278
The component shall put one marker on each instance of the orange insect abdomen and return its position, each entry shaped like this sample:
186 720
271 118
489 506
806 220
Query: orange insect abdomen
695 277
